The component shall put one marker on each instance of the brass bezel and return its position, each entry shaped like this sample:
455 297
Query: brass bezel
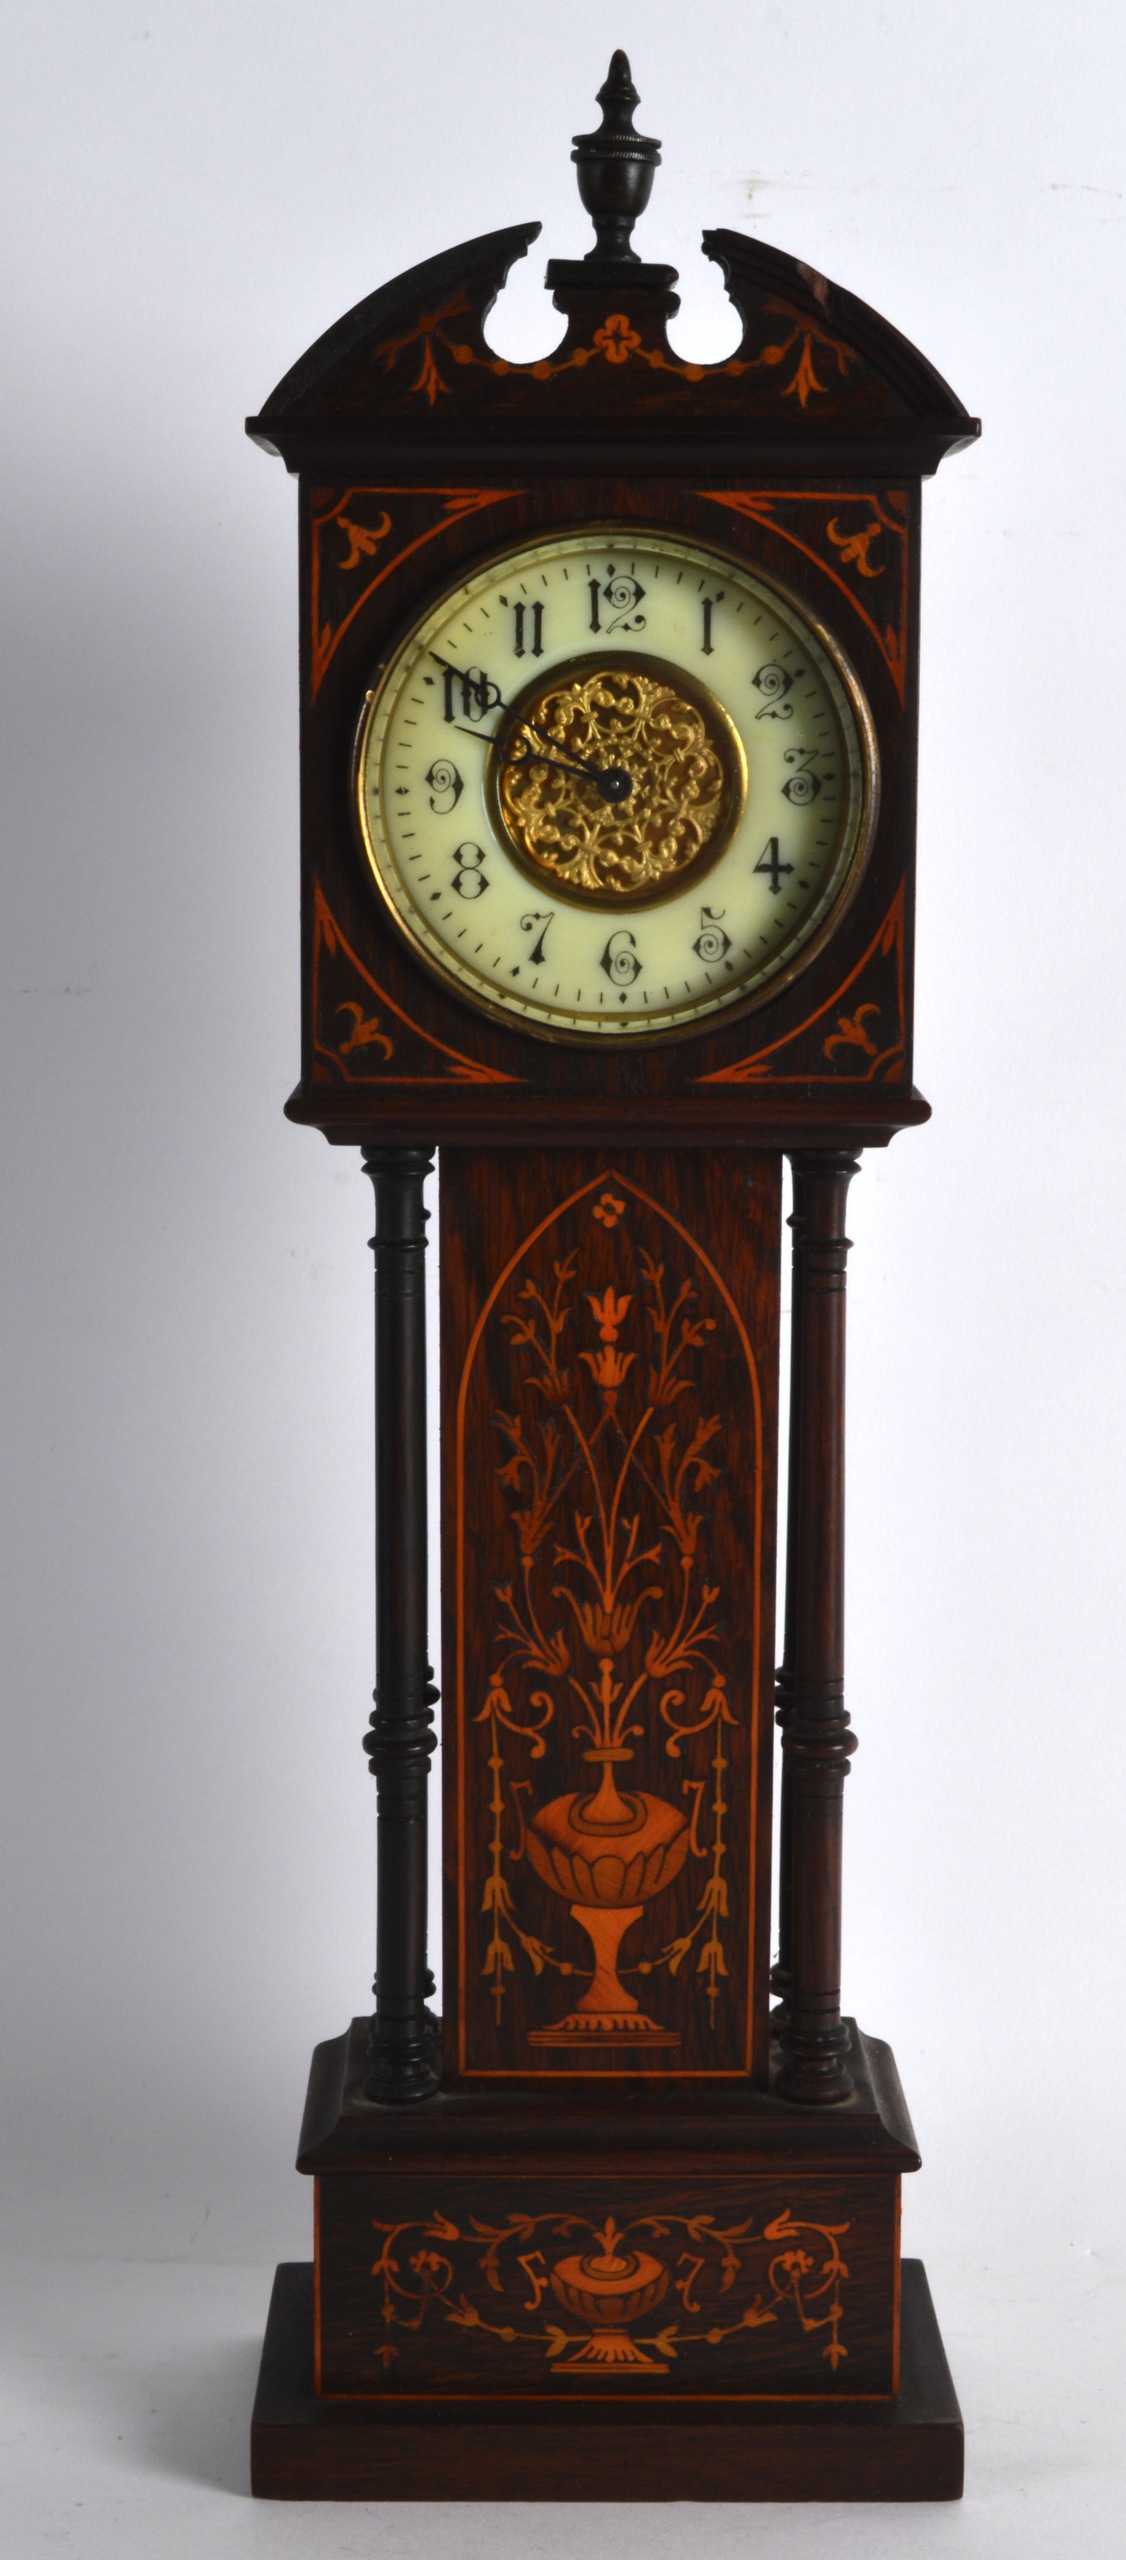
634 900
864 767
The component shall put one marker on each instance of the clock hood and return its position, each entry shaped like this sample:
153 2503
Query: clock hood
817 376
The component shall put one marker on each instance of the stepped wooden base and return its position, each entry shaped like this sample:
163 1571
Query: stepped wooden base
631 2293
305 2447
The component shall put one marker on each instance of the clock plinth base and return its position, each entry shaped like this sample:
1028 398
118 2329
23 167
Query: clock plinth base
909 2448
622 2292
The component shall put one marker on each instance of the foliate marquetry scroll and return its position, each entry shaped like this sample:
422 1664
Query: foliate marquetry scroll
613 1456
361 1035
596 2283
358 537
859 540
572 2294
796 356
859 1032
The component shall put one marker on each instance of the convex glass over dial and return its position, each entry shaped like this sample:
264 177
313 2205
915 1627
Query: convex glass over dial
613 783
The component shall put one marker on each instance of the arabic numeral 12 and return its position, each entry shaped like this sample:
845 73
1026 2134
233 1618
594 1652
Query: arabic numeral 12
621 594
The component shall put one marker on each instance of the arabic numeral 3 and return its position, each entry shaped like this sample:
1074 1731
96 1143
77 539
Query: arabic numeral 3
804 784
445 785
712 943
469 879
620 959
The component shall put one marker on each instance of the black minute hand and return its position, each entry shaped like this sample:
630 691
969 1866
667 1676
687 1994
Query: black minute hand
611 781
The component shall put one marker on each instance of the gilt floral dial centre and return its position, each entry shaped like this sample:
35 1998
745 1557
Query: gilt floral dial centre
673 760
612 785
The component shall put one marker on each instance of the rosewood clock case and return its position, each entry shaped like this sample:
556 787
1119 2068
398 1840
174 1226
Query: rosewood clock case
632 2235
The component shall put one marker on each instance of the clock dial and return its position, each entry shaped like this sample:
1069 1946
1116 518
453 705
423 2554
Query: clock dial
612 784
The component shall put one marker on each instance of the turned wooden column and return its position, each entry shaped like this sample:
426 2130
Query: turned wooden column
816 1741
782 1972
405 2061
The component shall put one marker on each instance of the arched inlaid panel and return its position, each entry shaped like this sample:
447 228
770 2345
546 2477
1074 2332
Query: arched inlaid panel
609 1390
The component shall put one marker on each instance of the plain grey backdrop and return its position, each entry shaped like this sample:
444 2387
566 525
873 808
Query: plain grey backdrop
191 192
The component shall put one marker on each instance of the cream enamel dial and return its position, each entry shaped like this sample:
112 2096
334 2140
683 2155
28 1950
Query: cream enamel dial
612 784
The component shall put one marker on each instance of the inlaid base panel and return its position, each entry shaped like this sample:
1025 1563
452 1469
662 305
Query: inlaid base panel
302 2446
594 2285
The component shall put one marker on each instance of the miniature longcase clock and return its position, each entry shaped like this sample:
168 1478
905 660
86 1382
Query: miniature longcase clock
608 703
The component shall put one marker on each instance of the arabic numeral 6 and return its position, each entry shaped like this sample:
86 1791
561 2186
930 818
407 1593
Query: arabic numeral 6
620 960
469 880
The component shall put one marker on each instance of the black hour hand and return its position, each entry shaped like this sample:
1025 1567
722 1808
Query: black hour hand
612 782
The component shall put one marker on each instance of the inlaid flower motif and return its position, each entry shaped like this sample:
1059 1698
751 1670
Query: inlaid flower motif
616 339
608 1209
608 1368
609 1314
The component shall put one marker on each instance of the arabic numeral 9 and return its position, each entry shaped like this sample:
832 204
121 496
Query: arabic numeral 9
469 879
445 786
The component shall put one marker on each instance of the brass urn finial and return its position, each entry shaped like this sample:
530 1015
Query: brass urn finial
615 166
